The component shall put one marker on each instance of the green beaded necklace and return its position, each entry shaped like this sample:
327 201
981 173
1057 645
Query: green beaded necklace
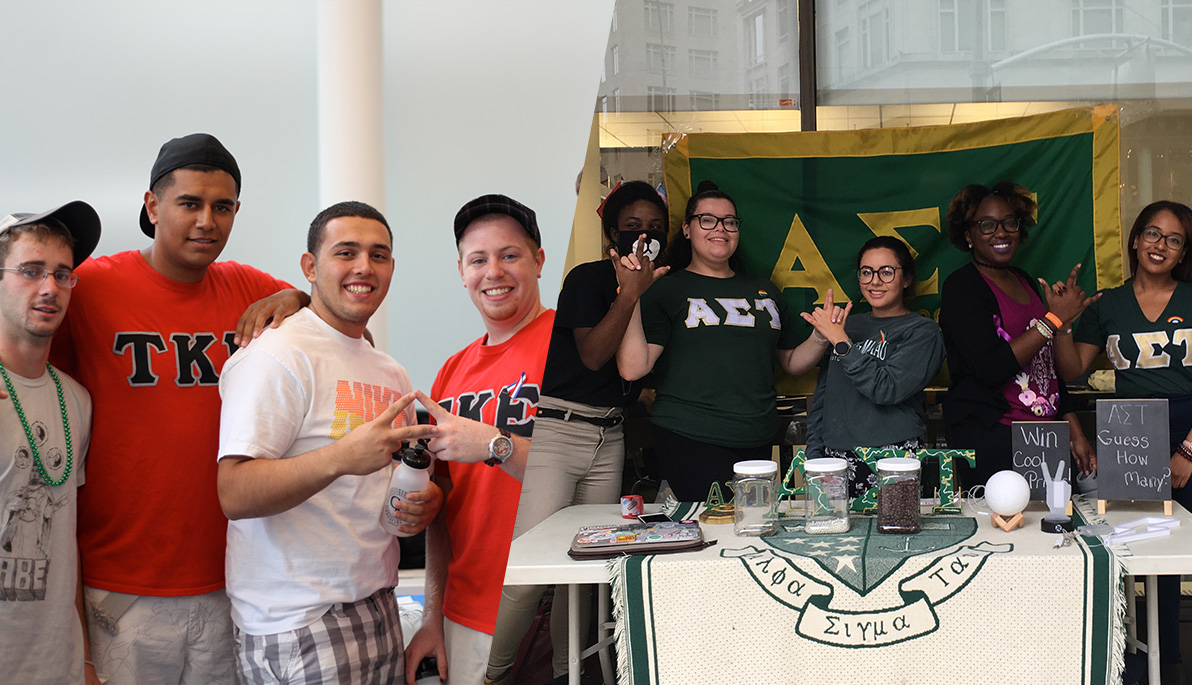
41 467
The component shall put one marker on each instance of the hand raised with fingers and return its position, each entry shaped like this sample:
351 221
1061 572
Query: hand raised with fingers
456 438
632 282
629 262
1066 299
829 319
369 447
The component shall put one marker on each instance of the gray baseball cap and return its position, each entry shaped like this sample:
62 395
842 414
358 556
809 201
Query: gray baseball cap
79 218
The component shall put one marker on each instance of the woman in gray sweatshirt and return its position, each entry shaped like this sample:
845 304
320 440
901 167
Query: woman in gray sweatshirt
871 380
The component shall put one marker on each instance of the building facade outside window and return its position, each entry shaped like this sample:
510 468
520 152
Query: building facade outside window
660 59
1177 21
701 22
660 99
959 25
948 60
1093 17
787 26
660 17
755 38
702 63
705 102
875 35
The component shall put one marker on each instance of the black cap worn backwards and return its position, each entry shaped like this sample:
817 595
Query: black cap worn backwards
197 148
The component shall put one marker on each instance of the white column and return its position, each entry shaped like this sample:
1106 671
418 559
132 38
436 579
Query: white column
351 147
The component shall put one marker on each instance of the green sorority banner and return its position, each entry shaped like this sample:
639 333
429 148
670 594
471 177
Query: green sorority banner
809 200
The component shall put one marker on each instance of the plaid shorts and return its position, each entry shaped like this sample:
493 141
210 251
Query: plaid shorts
352 643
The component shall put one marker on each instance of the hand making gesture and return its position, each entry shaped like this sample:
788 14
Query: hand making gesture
635 271
829 319
1065 299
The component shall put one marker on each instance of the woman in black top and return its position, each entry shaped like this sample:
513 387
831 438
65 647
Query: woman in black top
578 449
997 333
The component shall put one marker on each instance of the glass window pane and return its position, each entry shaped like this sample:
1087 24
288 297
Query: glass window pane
925 51
730 48
897 63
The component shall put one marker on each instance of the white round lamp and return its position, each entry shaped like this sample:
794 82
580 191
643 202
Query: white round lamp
1007 493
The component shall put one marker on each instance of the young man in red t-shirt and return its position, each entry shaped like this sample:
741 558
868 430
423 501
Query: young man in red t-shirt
485 398
148 335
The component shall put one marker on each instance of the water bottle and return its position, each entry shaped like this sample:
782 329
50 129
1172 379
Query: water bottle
411 474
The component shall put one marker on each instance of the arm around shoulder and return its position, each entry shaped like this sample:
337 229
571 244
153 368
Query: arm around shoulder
269 312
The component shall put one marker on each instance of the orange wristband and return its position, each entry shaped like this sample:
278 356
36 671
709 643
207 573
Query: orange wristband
1055 320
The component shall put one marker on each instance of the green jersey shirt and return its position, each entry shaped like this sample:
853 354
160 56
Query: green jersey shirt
715 377
1150 359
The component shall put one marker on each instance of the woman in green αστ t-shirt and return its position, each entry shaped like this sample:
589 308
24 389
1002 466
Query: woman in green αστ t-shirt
711 335
1145 328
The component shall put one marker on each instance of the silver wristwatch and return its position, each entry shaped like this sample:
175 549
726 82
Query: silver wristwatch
500 448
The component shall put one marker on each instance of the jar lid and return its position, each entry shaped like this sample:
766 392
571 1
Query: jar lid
825 464
898 464
755 467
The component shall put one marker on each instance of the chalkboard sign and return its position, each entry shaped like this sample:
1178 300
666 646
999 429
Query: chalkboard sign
1036 442
1133 450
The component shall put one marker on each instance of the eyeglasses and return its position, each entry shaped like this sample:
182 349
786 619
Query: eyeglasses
64 279
885 273
709 221
1152 235
989 226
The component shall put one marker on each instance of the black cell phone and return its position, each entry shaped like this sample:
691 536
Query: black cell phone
653 518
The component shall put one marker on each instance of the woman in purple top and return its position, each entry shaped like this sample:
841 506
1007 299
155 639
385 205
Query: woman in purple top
997 333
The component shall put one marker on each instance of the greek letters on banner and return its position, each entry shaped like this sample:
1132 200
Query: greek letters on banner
811 199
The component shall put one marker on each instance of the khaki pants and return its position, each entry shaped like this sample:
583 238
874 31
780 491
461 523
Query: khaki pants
570 462
168 640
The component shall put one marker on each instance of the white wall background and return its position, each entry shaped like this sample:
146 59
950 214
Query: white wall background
480 97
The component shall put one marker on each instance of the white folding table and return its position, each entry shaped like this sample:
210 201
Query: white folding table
539 557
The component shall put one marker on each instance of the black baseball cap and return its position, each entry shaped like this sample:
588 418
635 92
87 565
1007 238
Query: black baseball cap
497 204
197 148
79 218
